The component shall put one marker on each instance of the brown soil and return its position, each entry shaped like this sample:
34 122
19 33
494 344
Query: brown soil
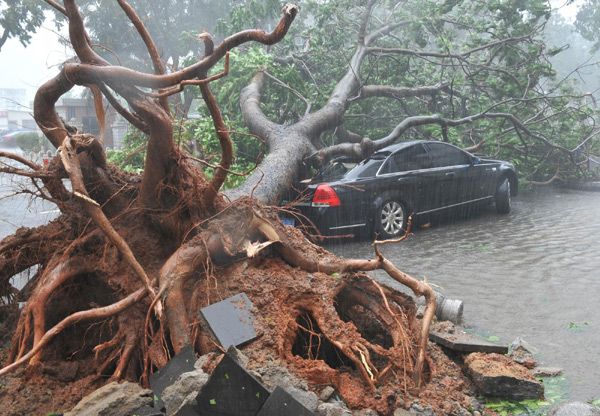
281 293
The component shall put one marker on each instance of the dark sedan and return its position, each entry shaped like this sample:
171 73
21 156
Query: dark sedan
418 178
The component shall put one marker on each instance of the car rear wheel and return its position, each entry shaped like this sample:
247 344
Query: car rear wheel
391 218
503 197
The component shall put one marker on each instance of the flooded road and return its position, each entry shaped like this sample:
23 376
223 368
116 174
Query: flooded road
534 274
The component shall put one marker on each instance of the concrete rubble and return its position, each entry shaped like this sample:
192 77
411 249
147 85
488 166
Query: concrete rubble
496 375
113 399
183 388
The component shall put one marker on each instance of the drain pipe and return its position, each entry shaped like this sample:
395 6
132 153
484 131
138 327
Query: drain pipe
447 309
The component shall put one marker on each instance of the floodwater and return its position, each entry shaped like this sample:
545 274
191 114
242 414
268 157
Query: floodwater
21 210
533 274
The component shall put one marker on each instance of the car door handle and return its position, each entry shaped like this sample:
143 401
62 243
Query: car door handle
450 173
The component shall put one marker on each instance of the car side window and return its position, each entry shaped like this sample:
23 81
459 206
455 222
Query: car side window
445 155
413 158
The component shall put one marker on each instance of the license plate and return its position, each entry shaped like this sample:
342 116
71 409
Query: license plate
288 221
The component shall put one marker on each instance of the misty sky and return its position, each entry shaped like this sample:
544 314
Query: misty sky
30 67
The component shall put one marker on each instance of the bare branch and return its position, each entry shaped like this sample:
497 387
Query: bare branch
295 92
368 91
153 52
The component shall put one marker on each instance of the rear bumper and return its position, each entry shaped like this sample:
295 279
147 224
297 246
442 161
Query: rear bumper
327 220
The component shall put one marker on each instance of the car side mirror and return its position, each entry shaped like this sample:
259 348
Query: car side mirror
475 160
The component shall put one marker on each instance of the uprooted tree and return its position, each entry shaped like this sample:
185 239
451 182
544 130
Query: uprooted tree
132 258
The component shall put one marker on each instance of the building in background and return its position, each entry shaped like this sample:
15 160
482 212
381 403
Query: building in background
79 112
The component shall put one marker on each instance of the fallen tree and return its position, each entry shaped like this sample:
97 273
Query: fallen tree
370 74
132 258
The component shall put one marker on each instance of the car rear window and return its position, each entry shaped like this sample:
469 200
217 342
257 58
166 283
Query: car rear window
366 168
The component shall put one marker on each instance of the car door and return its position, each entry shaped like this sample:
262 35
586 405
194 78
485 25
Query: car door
453 178
408 173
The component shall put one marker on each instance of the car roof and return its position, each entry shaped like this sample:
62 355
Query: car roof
397 146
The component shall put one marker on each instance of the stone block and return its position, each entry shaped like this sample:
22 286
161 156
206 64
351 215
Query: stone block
230 322
183 362
496 375
187 384
231 391
113 399
280 403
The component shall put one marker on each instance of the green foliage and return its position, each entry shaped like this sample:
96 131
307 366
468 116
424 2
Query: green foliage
20 19
514 407
133 155
575 327
588 21
32 142
198 139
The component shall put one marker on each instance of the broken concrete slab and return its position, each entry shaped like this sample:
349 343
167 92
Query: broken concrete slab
496 375
183 362
280 403
231 391
230 322
463 342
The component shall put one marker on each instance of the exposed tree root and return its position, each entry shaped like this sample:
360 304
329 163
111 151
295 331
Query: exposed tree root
242 231
169 235
97 313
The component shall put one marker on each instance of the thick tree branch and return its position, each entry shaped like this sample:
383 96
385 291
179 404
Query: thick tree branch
150 46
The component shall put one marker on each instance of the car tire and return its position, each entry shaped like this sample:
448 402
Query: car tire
391 219
502 197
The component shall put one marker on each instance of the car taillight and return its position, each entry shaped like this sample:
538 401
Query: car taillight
325 196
